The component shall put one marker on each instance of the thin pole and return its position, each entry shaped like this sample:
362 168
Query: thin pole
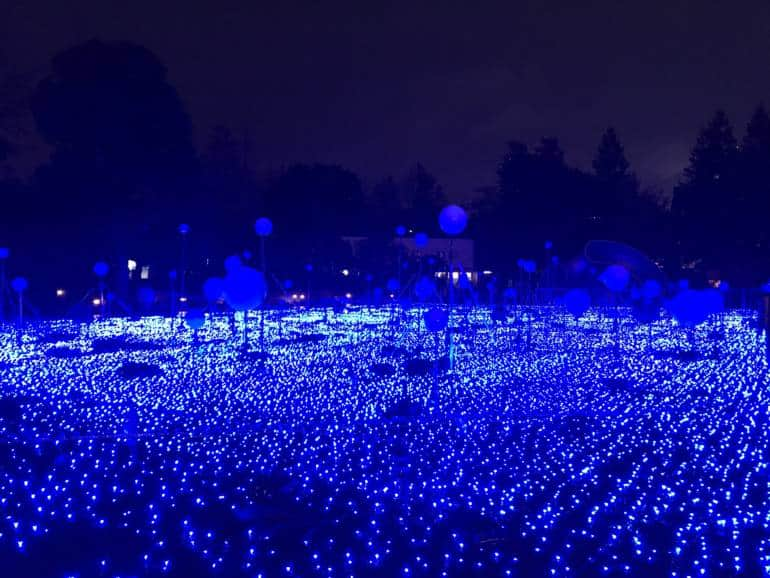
267 287
21 317
450 345
2 290
183 265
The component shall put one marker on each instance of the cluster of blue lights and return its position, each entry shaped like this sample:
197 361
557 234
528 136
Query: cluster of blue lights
552 447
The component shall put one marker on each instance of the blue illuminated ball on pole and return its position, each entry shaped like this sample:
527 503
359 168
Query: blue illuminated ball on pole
19 284
183 229
101 269
420 240
233 263
615 278
195 319
400 231
527 265
577 302
5 252
245 288
453 219
650 290
263 227
392 285
213 288
424 288
689 307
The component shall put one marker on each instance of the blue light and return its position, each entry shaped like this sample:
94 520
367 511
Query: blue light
529 456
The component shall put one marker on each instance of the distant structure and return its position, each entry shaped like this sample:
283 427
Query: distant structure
463 252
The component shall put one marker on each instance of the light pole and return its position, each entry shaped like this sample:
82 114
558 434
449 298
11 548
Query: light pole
4 254
19 284
184 230
263 227
452 219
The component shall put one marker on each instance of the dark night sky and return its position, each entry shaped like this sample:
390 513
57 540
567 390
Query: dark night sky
377 86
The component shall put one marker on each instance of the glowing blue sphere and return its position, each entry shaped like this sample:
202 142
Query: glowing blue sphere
453 219
527 265
650 289
424 288
183 229
392 285
691 307
577 302
615 278
101 269
213 288
233 263
420 240
263 227
19 284
195 319
245 288
400 231
510 293
5 252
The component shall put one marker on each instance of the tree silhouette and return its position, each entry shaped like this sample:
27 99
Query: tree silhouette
705 203
423 198
118 129
312 207
12 111
610 164
386 209
755 181
617 200
229 196
317 201
549 151
541 198
123 170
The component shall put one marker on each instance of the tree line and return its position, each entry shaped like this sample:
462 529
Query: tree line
124 172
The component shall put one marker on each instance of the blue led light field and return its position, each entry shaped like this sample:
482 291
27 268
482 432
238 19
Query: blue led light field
335 445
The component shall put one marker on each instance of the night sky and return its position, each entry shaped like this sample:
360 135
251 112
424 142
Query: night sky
377 86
